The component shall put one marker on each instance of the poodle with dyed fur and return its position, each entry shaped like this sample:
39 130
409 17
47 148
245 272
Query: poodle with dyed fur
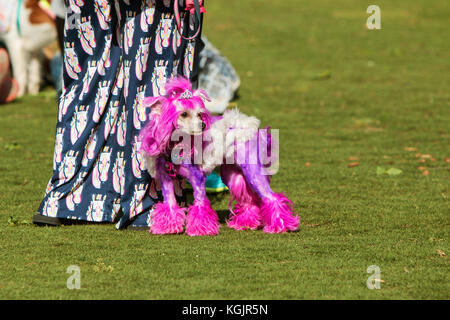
232 141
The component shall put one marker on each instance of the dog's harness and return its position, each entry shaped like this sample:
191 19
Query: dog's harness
169 166
170 158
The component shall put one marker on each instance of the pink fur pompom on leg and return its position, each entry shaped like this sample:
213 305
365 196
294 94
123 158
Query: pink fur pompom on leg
202 220
167 219
245 217
278 215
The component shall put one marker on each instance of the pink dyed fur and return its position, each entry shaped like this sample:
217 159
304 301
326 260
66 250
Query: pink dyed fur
202 220
245 217
278 215
273 211
155 136
167 219
245 214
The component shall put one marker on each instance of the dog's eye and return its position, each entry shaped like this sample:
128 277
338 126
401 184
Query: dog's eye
184 114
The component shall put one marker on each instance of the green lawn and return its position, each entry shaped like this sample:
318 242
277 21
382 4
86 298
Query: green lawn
340 94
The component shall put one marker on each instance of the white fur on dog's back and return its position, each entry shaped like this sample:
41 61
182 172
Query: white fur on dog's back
242 128
235 126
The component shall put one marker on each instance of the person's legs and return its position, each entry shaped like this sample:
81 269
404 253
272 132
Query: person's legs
81 187
152 52
98 170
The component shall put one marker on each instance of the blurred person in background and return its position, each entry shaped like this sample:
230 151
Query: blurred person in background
8 85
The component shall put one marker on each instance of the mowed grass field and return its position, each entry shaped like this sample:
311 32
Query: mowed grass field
350 104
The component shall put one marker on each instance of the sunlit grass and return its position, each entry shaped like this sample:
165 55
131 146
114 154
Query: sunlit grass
341 95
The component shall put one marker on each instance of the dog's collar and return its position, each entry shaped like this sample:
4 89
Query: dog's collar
173 158
169 167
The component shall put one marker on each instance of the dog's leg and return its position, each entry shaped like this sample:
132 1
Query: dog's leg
167 217
202 220
245 214
19 56
34 73
276 208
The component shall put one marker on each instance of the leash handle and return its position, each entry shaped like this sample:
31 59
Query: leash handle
178 19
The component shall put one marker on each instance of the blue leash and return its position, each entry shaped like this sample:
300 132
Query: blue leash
19 5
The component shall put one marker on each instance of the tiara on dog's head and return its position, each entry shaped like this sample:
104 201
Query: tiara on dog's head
187 94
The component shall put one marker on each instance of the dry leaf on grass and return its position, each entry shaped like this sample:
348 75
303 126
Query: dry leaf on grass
410 149
312 225
353 164
425 172
441 253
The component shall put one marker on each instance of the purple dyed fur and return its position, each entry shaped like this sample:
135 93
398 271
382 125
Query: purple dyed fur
202 220
167 217
245 214
256 204
275 209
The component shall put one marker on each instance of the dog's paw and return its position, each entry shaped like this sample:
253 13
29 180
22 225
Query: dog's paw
202 220
167 220
245 218
278 215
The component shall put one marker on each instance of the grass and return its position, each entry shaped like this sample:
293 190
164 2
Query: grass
339 94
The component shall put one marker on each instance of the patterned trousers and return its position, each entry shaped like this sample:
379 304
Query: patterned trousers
115 54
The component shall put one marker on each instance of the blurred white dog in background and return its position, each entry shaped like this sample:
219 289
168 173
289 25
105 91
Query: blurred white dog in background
27 28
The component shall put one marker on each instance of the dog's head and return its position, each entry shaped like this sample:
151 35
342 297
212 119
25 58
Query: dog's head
179 109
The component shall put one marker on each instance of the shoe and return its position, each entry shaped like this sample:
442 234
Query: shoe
139 223
213 184
137 228
41 220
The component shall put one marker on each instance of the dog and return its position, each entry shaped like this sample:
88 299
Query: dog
31 28
180 114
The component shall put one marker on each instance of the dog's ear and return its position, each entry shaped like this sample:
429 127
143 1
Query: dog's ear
155 136
202 94
155 104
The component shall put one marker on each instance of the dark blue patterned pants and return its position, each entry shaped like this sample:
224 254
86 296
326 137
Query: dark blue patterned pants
115 54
